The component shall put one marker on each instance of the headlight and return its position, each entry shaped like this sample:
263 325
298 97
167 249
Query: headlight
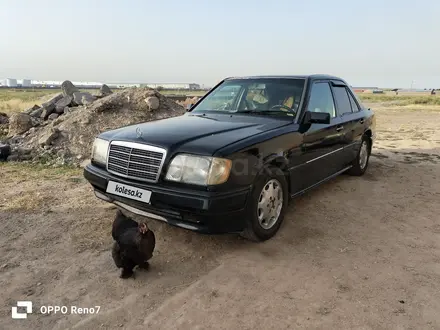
199 170
99 151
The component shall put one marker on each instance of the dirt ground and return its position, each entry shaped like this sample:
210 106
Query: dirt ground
355 253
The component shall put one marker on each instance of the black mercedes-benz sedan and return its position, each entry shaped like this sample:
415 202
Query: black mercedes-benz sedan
231 163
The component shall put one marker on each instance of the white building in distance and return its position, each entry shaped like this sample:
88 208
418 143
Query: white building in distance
9 82
57 83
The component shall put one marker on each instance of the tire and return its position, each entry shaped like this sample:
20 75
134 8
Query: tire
257 229
360 163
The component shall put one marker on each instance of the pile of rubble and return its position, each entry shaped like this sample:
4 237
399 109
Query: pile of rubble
4 123
61 130
188 101
65 102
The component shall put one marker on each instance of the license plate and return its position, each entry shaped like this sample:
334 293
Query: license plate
127 191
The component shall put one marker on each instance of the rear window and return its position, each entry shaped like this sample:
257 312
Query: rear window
342 101
354 105
355 97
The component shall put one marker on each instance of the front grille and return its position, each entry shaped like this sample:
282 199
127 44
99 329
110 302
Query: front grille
136 161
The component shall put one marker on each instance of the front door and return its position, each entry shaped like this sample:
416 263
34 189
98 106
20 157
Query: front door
322 144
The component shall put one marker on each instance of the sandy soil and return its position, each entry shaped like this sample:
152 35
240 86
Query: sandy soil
355 253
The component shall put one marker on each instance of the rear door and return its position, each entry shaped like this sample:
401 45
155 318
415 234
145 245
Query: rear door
352 120
321 148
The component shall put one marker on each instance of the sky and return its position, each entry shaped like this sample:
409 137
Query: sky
384 43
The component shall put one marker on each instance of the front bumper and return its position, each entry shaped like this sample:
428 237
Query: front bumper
201 211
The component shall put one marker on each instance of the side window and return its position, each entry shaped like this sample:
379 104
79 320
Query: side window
354 105
342 101
321 99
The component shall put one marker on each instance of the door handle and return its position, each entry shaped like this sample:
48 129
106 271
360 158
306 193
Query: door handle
361 121
339 128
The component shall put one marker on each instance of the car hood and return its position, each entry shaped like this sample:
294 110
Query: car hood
199 134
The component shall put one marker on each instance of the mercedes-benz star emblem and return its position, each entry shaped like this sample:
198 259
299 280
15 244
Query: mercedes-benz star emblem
138 132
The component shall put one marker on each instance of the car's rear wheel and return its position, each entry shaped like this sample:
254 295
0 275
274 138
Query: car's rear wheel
267 205
360 163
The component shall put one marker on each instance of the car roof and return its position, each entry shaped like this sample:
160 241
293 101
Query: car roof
310 76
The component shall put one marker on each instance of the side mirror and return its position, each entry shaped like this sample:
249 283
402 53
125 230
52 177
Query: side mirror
316 118
189 106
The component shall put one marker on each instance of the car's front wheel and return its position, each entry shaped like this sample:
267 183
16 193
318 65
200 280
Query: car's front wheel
267 205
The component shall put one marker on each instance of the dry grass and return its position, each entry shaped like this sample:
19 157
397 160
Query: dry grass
7 94
23 174
16 171
403 108
401 99
15 105
17 100
182 92
29 200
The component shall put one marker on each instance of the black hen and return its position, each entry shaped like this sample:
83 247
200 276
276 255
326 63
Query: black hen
5 151
134 244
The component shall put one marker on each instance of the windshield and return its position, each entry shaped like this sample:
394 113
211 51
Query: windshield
277 96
